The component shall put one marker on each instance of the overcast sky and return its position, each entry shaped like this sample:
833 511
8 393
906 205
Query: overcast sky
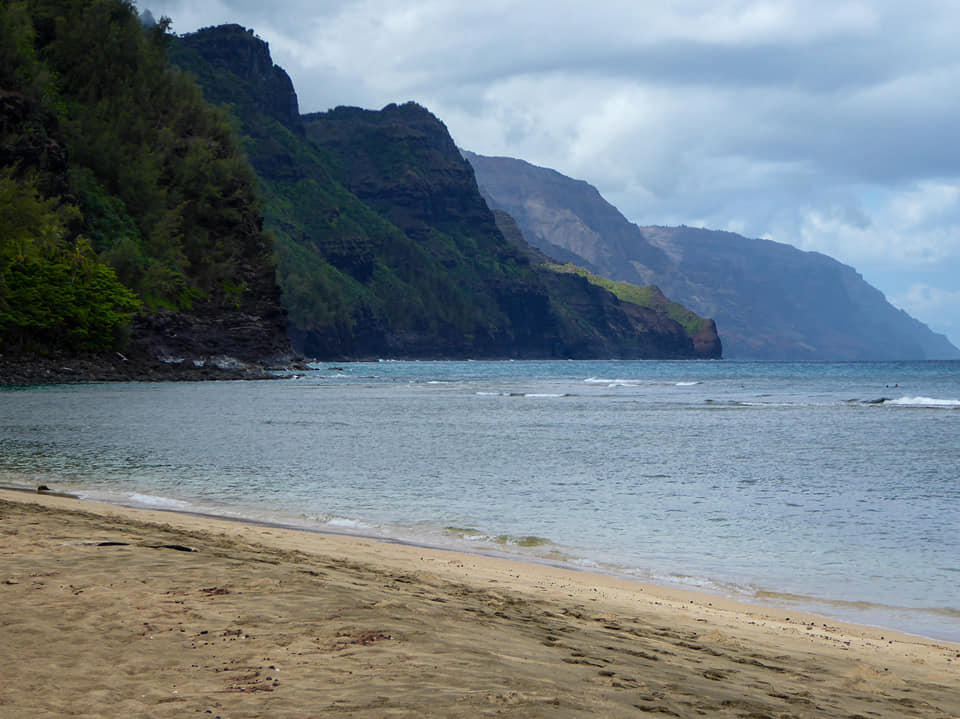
827 124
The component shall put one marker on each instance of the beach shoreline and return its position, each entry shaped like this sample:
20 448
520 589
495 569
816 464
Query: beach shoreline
772 601
765 600
373 628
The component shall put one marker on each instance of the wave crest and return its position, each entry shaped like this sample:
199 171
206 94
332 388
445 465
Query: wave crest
923 402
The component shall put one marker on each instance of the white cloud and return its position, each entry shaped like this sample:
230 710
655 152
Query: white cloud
928 300
917 227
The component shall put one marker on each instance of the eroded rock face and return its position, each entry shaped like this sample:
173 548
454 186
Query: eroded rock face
707 342
239 51
402 161
566 218
254 334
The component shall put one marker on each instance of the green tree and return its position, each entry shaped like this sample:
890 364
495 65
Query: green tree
54 294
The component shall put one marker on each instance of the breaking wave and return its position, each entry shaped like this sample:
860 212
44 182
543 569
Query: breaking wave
924 402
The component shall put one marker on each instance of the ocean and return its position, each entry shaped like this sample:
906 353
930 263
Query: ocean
829 487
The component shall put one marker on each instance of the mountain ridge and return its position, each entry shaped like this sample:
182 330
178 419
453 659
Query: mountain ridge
161 163
385 246
770 300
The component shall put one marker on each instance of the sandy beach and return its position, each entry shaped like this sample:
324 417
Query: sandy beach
105 613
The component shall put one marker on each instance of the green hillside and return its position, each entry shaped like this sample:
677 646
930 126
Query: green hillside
121 188
648 296
133 205
384 245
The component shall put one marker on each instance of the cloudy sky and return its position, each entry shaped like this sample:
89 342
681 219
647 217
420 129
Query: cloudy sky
827 124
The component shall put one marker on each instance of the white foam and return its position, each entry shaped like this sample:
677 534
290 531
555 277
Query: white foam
587 563
346 523
540 395
923 402
686 384
151 500
613 382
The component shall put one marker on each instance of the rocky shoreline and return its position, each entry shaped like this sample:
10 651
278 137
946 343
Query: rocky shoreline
209 342
120 368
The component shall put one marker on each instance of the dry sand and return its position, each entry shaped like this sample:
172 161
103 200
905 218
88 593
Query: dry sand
103 615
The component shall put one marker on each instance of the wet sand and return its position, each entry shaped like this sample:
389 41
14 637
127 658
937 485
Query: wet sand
105 614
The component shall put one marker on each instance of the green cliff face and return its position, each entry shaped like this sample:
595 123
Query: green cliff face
385 246
132 220
127 208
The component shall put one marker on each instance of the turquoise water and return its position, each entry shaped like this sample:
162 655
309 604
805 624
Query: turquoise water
830 487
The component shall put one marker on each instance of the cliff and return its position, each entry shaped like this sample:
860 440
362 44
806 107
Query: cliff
566 218
769 300
385 247
402 162
773 301
232 50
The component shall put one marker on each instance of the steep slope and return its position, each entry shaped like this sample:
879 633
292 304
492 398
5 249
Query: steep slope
770 300
703 331
403 163
385 246
566 218
779 302
143 232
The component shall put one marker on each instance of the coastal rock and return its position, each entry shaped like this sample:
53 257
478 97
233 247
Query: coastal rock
707 342
197 336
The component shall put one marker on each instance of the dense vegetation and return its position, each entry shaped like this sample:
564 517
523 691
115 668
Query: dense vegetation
121 188
53 292
384 245
354 282
648 296
128 205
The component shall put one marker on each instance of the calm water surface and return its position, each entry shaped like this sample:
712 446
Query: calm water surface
831 487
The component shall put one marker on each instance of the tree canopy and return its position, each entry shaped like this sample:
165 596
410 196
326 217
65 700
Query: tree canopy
121 187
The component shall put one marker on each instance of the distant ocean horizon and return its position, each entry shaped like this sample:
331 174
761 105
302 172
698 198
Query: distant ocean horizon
829 487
